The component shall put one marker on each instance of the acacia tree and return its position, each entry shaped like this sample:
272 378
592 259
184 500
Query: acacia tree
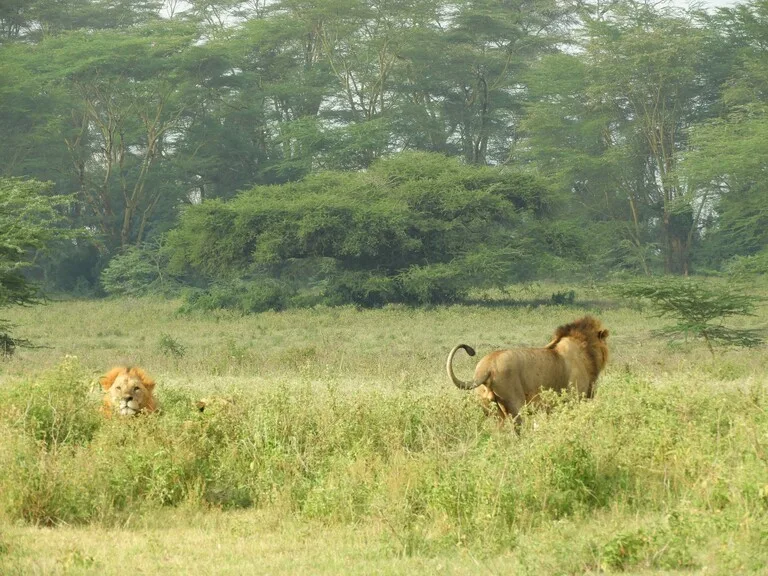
573 140
648 67
729 159
113 101
462 84
30 218
619 126
48 75
127 118
699 311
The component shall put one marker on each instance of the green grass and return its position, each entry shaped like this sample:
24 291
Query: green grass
346 449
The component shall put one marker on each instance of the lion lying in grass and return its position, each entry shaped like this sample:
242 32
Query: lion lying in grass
513 378
214 403
128 391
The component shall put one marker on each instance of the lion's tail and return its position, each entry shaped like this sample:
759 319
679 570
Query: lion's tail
449 366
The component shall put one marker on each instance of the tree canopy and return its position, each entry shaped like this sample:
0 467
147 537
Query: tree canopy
645 122
31 218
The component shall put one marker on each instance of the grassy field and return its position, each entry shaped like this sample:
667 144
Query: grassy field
346 450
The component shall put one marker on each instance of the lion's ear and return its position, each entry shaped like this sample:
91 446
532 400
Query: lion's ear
108 379
149 384
603 334
553 343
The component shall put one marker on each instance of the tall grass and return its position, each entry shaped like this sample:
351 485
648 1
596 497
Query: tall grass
429 467
342 418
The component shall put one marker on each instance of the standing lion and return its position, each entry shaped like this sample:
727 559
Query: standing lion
513 378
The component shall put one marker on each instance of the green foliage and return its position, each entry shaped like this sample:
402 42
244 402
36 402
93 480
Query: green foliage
55 411
29 222
169 346
9 343
429 466
563 297
138 271
659 547
699 310
649 121
729 158
246 296
659 164
400 232
747 267
29 216
418 285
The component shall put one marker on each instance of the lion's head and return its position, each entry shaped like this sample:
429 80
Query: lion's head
214 404
592 338
128 391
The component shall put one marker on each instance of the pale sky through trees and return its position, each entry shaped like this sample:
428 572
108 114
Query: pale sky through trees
709 4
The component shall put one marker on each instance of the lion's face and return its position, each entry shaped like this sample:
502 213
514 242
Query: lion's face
129 391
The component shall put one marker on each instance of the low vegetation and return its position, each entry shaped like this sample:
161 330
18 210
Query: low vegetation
365 440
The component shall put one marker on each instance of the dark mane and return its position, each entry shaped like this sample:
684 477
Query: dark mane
589 330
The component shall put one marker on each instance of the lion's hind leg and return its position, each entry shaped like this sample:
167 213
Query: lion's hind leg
494 405
491 403
510 410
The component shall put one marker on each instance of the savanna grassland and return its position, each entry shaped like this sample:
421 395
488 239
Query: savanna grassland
341 447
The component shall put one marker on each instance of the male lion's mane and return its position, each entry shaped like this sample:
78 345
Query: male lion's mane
590 331
146 403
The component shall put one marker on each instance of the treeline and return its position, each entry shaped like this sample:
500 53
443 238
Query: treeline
416 228
616 135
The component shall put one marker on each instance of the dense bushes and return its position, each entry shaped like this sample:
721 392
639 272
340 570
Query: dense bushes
416 228
246 297
429 465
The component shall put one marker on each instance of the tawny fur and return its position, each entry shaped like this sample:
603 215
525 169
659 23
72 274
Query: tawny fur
124 384
513 378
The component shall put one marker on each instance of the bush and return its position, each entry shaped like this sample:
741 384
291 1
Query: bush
699 310
397 233
138 271
57 409
363 288
563 297
747 267
436 284
8 343
169 346
247 296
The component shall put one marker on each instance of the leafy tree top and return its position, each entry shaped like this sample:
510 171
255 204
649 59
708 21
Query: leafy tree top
30 219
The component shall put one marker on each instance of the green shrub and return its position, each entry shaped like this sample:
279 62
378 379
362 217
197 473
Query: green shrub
169 346
435 284
400 232
363 288
9 343
247 296
563 297
665 546
419 285
699 310
747 267
55 409
137 271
